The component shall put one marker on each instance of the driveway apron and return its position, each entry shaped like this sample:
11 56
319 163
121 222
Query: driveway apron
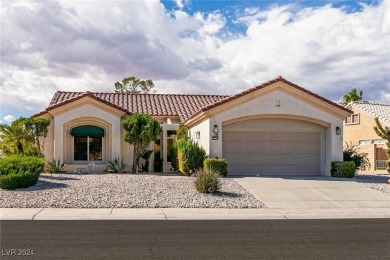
313 193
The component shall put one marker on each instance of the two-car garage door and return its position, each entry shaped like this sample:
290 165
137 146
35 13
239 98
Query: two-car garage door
264 153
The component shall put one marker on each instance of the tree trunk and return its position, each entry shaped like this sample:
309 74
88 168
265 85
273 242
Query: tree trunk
20 147
135 155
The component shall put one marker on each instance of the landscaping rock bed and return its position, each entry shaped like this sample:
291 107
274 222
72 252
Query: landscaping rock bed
377 181
125 191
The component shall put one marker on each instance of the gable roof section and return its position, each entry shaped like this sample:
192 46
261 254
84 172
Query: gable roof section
382 111
265 85
183 106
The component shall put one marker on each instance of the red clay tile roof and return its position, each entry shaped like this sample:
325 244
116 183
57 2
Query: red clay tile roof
264 85
183 106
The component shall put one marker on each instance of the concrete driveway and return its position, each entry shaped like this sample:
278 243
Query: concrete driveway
316 193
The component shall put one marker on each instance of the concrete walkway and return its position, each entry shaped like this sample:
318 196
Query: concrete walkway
286 198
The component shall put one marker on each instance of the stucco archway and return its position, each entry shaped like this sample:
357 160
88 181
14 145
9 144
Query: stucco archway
82 121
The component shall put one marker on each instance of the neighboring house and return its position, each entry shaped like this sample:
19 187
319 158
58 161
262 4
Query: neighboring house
359 131
276 128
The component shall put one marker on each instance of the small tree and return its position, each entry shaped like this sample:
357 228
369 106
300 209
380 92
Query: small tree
182 132
384 133
38 128
134 85
15 138
351 96
141 130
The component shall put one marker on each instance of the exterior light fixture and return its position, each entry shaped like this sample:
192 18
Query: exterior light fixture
216 129
338 130
197 135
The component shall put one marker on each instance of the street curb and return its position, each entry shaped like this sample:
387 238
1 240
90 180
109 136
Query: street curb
187 214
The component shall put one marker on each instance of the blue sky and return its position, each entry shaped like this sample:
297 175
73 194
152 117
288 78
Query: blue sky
194 47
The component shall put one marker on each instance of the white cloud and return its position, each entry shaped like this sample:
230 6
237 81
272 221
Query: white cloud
90 45
181 3
9 118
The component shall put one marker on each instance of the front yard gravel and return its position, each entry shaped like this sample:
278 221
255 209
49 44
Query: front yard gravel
376 181
125 191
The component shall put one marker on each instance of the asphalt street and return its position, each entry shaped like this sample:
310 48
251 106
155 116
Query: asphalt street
182 239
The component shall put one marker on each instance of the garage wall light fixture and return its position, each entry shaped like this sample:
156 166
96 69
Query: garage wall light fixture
197 135
216 129
338 130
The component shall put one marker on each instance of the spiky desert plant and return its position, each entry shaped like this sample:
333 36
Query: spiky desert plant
116 165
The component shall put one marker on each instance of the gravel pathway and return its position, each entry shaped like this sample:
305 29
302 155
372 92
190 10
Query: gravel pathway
376 181
125 191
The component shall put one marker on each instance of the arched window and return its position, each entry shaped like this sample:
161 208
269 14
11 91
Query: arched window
88 143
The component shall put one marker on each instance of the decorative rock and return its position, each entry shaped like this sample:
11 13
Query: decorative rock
125 191
376 181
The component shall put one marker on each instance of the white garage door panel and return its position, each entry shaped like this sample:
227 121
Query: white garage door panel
272 153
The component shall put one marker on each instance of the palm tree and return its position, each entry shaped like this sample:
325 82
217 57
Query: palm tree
351 96
15 138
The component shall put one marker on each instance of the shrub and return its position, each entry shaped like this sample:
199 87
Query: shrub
218 165
116 165
351 153
207 181
343 169
146 156
16 181
189 156
55 166
20 171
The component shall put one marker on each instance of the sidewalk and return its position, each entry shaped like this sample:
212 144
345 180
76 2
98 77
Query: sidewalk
187 213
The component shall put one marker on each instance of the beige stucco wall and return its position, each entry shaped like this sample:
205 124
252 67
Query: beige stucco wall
205 135
362 131
265 105
48 149
86 114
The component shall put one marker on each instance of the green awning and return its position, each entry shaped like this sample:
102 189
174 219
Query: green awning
87 130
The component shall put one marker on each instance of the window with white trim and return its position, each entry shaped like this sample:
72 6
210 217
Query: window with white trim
364 142
378 141
352 119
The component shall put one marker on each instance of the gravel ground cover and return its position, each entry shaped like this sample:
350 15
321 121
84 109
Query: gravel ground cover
125 191
376 181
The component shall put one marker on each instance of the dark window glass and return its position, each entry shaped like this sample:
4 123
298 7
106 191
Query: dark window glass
80 148
171 133
95 149
169 147
81 151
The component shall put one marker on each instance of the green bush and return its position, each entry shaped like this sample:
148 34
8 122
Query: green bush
16 181
218 165
351 153
343 169
207 181
189 156
20 171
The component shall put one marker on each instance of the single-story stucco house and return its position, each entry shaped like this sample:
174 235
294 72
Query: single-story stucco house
276 128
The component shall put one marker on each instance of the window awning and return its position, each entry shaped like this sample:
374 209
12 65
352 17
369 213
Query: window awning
87 130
